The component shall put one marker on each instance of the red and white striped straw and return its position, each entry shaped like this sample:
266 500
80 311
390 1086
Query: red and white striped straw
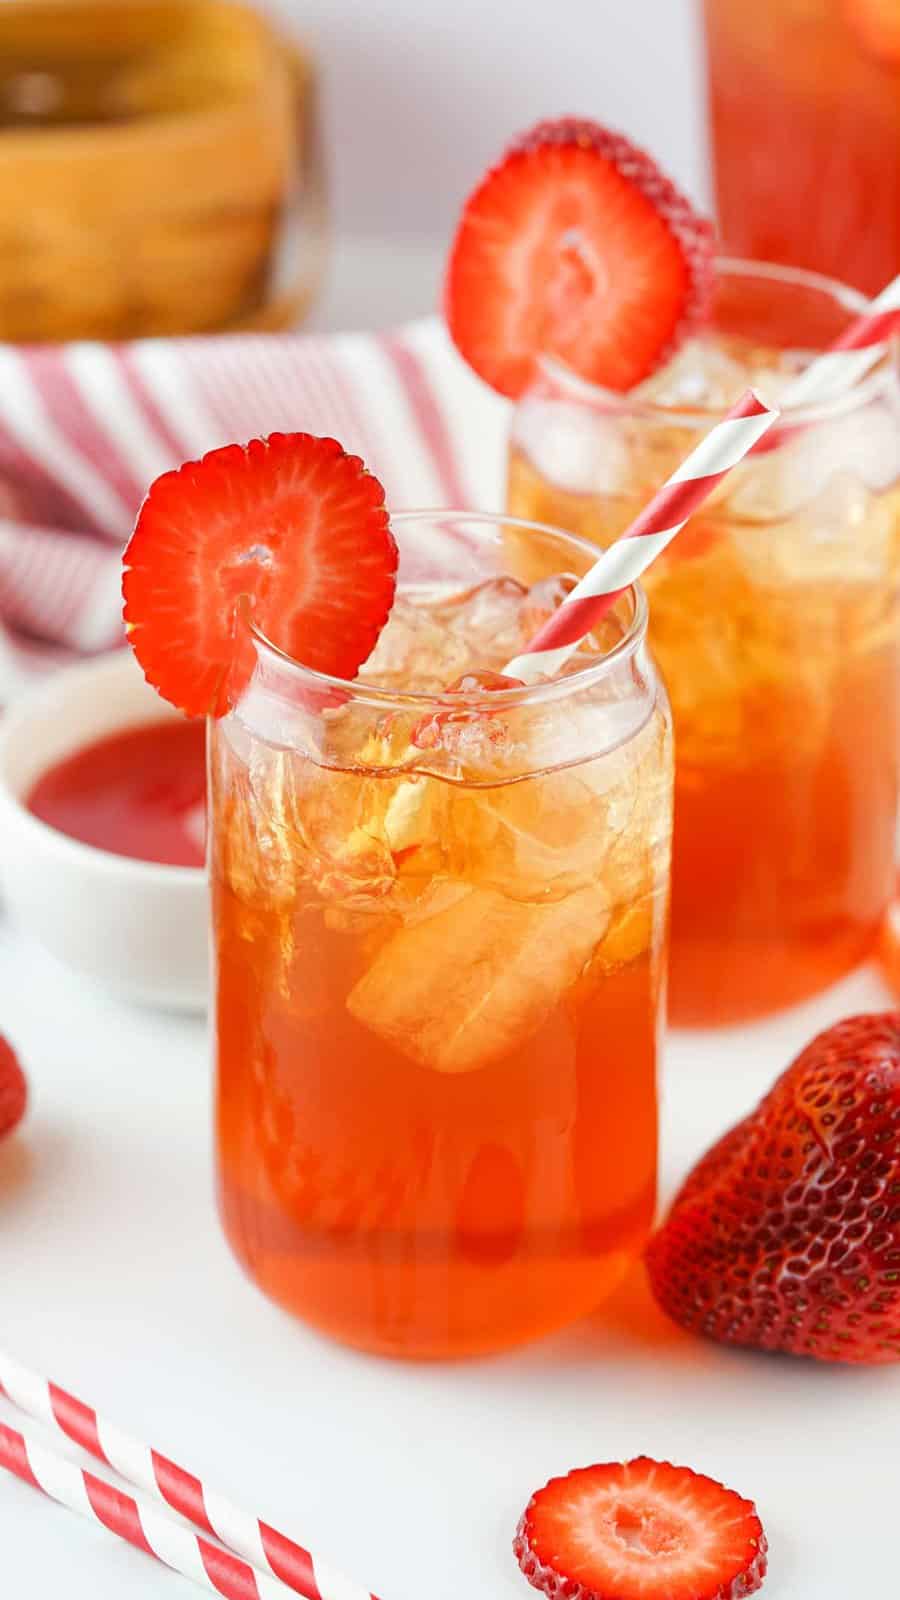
146 1527
858 349
267 1550
722 448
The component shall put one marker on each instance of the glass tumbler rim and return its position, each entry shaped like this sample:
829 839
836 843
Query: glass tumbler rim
859 394
325 685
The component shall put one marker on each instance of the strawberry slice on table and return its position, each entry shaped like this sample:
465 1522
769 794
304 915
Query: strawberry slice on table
576 246
641 1530
786 1235
13 1089
290 528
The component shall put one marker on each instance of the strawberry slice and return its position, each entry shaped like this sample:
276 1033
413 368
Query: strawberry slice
290 525
641 1530
576 246
13 1089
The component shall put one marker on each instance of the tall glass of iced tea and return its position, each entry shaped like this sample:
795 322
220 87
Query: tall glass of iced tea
776 623
439 926
804 100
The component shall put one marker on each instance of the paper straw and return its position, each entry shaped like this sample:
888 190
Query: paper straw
144 1526
859 348
246 1534
722 448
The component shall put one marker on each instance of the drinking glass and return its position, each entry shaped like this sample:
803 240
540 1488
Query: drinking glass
804 100
439 931
774 617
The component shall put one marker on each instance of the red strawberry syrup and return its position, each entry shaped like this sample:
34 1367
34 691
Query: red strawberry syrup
138 793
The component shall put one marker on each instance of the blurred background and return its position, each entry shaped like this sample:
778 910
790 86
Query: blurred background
174 166
179 166
419 95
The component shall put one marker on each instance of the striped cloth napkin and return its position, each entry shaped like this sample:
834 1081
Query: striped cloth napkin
85 428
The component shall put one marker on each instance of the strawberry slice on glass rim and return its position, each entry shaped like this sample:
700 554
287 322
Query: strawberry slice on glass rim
289 532
575 246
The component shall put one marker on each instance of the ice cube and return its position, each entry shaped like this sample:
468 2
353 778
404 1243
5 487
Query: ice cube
475 980
726 637
634 928
870 445
407 815
416 829
480 607
841 534
257 834
541 601
415 652
578 447
435 637
861 449
588 822
636 812
704 375
487 618
533 841
310 833
446 637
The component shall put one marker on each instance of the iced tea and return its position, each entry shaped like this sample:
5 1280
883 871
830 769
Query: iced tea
439 934
805 110
774 617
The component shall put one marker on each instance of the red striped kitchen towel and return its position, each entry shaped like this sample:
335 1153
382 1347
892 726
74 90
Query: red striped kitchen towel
85 428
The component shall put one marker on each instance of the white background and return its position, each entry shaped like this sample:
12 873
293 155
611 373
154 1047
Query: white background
419 96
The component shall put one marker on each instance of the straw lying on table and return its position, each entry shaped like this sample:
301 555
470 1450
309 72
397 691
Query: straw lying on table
270 1554
723 447
143 1525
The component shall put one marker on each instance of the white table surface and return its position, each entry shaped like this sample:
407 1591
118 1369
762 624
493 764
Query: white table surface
115 1281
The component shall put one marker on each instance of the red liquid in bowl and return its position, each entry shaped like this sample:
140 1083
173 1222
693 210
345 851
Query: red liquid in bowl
140 793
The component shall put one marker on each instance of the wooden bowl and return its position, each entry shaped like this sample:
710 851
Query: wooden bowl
149 152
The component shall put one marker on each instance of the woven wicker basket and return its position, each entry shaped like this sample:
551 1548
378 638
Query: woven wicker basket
149 152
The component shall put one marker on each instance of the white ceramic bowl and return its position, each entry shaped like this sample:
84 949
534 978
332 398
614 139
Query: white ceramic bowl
138 928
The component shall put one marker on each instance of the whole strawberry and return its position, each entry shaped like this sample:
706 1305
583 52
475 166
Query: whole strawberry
786 1235
13 1089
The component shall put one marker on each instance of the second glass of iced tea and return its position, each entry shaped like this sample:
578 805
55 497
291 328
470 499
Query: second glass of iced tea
815 180
439 929
775 620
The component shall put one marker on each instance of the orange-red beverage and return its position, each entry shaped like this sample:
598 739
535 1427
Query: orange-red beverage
775 617
805 111
439 944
